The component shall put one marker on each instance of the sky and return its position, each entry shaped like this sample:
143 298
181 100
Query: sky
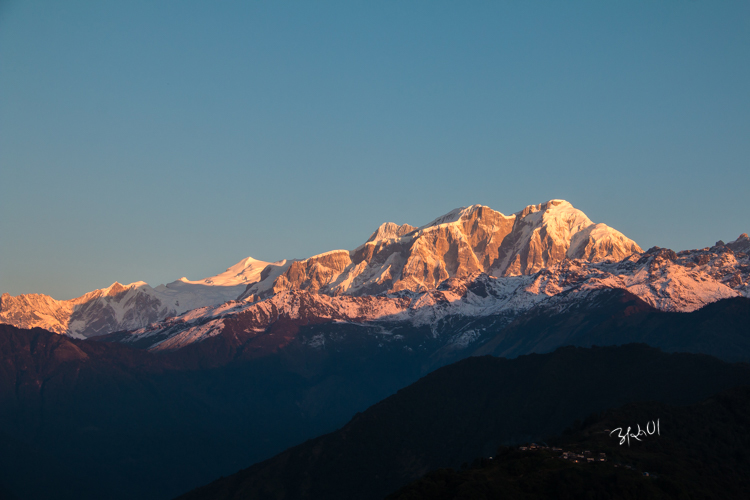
148 141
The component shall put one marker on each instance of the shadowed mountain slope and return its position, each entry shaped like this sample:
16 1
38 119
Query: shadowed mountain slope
699 452
103 420
466 410
619 317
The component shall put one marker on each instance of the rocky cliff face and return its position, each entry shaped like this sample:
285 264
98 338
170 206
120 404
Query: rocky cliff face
460 243
389 230
314 273
36 310
741 244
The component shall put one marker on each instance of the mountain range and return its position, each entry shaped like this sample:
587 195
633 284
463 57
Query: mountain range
149 392
471 262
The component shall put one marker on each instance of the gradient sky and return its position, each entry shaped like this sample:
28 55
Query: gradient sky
154 140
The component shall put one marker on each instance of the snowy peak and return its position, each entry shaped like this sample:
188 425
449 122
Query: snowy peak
389 231
549 233
460 243
114 289
245 272
464 214
564 207
561 217
452 216
599 242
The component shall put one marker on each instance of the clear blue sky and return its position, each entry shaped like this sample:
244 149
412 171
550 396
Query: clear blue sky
151 140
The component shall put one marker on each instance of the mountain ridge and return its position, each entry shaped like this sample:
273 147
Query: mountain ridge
525 258
661 278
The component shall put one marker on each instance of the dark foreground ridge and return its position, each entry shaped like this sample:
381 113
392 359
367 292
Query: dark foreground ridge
619 317
467 410
699 452
88 420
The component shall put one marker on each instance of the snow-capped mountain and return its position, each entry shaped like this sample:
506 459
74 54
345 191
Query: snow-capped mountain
241 358
469 263
660 277
462 242
127 307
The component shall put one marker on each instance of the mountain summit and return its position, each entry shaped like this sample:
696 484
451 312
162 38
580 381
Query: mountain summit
462 242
